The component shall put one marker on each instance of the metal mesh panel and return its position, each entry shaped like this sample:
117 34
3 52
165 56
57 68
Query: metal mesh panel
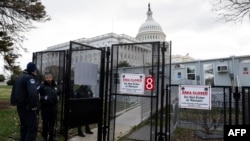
226 110
52 62
138 58
88 57
62 65
246 105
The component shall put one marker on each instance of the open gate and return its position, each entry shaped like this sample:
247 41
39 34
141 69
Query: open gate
82 71
108 73
71 68
54 63
137 83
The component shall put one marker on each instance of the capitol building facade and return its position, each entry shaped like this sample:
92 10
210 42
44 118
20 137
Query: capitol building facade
149 31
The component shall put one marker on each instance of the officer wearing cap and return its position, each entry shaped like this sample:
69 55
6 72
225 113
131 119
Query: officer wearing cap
25 97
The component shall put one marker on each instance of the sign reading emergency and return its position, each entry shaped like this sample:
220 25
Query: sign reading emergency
195 97
132 83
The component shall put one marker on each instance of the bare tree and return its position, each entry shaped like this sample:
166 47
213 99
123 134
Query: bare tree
232 10
17 17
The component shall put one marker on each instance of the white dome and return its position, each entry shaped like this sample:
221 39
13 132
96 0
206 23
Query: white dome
150 26
150 30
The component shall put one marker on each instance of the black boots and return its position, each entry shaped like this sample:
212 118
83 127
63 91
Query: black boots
89 132
81 135
52 138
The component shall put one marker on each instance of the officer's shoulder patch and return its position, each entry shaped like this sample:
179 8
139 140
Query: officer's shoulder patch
32 81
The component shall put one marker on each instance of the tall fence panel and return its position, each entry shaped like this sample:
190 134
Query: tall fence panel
228 108
131 65
52 62
74 67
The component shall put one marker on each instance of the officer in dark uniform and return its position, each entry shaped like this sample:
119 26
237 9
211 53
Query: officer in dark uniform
83 92
25 97
49 97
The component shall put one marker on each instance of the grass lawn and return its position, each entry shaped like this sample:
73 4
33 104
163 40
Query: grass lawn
5 92
9 120
9 123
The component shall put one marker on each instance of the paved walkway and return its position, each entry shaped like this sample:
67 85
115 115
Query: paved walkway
124 123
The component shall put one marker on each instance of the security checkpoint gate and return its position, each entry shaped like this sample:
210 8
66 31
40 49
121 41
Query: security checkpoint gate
81 71
54 63
117 85
70 69
137 80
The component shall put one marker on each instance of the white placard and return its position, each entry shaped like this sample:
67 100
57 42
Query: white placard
85 73
132 83
195 97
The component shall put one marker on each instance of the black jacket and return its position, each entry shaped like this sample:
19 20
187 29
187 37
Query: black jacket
24 93
83 92
49 91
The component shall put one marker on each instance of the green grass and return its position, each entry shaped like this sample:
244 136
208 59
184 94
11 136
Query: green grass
9 124
5 92
9 120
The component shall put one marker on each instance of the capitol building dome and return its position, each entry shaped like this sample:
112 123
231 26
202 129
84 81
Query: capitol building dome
150 30
136 55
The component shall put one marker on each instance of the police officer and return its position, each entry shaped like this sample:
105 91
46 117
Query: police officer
83 92
25 97
49 97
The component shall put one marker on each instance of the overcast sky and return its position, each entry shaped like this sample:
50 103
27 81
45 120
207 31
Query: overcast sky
189 24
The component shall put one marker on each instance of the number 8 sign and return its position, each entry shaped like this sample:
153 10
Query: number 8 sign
149 83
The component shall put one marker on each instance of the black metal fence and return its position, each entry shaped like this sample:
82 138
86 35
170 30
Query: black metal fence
229 107
65 66
146 58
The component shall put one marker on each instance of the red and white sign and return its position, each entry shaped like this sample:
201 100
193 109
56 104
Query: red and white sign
132 83
149 83
245 72
195 97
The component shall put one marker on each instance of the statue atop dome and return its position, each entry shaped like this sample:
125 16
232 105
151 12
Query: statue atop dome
149 7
